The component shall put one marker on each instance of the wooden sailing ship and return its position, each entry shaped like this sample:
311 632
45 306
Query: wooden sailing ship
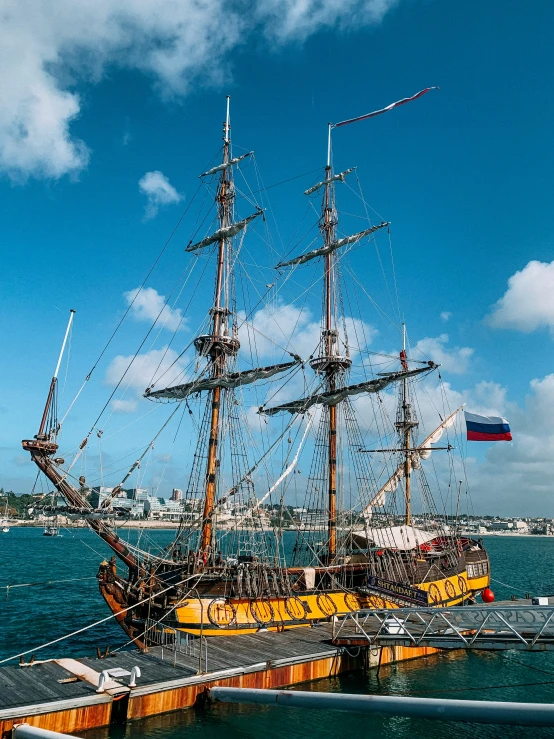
207 583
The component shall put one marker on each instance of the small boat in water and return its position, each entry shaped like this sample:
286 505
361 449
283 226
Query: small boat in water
52 529
4 523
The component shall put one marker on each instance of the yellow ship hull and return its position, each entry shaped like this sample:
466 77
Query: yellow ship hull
205 616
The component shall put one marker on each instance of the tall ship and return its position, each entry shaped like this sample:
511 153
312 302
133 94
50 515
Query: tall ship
367 532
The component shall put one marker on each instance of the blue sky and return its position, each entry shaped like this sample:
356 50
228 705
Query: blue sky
464 175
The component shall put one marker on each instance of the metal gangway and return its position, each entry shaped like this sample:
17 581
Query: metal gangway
524 627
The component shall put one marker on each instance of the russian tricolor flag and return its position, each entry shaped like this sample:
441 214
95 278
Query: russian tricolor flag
487 428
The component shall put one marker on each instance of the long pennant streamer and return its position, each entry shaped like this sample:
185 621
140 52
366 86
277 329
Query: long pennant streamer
384 110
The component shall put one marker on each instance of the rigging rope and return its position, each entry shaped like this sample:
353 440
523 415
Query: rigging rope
130 306
45 582
285 474
96 623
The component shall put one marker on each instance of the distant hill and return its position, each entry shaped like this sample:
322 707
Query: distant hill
17 504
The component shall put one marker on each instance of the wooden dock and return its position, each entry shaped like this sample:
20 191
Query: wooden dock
61 694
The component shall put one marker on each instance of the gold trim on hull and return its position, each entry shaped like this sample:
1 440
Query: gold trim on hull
225 617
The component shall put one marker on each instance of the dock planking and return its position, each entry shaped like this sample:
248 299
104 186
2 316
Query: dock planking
47 695
224 653
39 684
153 669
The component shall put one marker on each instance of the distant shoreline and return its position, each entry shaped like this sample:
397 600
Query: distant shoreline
172 526
510 535
157 525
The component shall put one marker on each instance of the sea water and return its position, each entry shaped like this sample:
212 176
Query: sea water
36 614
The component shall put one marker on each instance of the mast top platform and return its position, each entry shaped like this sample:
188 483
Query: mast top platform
40 445
208 343
332 363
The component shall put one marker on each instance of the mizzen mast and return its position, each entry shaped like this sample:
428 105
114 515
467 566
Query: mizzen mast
405 422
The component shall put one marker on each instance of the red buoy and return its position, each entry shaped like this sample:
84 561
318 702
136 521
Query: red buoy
487 595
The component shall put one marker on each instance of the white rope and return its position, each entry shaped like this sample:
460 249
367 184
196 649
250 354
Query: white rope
157 623
45 582
285 474
74 400
96 623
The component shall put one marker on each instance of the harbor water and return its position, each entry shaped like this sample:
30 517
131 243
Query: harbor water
44 610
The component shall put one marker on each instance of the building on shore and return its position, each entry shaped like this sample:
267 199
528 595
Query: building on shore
514 526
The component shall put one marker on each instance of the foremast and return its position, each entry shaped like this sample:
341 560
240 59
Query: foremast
219 346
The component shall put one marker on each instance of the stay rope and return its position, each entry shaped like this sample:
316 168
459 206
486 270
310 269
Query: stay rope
8 588
96 623
129 308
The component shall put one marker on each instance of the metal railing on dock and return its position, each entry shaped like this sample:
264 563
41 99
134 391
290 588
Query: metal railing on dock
525 627
170 643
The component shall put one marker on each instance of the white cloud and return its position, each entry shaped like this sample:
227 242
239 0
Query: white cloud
163 366
284 326
455 360
148 305
296 19
528 303
446 315
50 47
516 477
158 190
120 405
488 399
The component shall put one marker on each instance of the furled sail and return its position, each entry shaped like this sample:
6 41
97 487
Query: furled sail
230 163
341 176
394 537
332 247
333 397
232 380
226 232
423 451
379 498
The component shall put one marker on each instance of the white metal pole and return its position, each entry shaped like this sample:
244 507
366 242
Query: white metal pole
71 314
227 119
25 731
467 711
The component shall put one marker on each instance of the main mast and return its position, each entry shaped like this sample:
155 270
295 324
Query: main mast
219 345
329 361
